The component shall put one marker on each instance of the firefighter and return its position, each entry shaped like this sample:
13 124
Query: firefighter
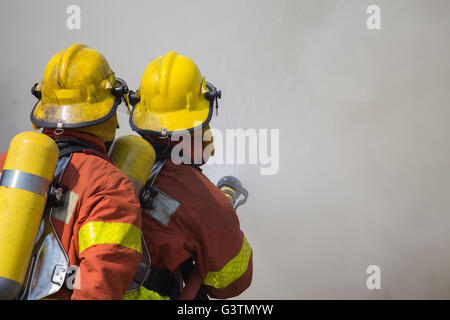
98 221
191 229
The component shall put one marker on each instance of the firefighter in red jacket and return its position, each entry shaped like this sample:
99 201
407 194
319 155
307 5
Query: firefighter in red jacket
99 222
191 229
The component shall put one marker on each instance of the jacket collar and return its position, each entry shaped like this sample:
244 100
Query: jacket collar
94 141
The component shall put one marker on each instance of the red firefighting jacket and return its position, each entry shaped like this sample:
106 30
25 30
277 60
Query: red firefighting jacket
99 224
197 220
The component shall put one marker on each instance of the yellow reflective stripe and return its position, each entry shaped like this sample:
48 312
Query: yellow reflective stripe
144 294
232 270
97 232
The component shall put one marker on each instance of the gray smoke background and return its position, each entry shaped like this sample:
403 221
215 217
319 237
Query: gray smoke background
363 118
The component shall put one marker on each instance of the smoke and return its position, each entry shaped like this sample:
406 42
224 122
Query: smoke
362 172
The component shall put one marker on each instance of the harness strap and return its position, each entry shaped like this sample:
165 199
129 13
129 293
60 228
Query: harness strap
67 147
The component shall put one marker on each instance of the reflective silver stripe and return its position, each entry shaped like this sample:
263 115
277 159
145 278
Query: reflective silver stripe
25 181
65 212
164 206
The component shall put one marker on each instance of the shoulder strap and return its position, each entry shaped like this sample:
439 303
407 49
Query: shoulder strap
71 145
147 192
67 147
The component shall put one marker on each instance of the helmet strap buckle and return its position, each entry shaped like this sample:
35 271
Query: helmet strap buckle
59 129
133 97
36 90
213 95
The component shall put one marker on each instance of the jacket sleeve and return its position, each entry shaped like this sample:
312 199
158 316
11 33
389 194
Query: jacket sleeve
107 236
2 160
224 255
234 277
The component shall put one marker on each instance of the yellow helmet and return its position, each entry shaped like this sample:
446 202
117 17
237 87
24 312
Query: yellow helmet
78 90
172 97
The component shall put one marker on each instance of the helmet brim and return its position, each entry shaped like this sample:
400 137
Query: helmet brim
77 115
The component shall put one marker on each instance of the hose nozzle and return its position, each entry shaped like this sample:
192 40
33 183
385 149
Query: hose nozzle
233 189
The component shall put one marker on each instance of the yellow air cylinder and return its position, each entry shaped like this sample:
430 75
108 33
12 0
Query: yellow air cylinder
27 173
135 157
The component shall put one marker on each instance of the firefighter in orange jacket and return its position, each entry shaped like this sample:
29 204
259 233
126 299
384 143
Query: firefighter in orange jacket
189 225
99 222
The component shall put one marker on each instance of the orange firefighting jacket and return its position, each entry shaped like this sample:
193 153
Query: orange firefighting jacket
98 225
197 220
